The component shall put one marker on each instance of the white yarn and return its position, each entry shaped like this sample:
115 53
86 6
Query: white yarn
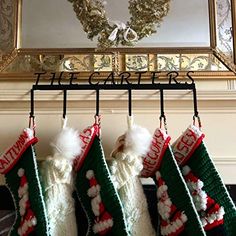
94 190
21 172
125 168
220 213
186 169
58 178
158 175
137 140
67 143
30 132
95 204
89 174
101 226
161 190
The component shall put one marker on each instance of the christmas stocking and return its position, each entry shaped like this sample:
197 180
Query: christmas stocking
210 196
19 166
125 165
59 184
95 189
178 215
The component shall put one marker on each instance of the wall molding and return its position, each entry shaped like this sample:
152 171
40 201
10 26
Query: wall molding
207 95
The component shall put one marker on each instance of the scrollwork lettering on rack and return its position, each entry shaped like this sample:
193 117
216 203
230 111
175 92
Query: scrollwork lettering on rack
124 78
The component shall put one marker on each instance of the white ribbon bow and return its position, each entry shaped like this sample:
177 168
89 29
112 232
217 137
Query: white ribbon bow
122 26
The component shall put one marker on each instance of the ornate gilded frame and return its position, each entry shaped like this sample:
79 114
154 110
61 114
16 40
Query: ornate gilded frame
45 59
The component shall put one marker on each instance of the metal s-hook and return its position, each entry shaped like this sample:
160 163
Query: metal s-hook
97 116
130 101
162 116
130 119
64 118
196 114
64 103
97 102
31 103
31 116
162 103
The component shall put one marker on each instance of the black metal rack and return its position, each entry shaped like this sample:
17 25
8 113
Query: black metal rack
129 87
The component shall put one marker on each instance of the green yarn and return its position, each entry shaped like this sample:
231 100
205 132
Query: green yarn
203 166
179 194
95 161
28 162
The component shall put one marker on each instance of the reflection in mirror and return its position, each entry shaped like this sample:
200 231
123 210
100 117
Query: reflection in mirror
105 62
53 24
7 26
46 35
224 28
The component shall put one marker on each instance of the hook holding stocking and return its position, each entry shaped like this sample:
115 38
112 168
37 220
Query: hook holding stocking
130 101
31 116
162 116
130 117
97 102
64 118
97 115
196 114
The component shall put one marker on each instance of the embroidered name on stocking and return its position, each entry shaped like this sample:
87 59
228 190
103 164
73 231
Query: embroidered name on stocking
152 160
172 220
28 219
103 220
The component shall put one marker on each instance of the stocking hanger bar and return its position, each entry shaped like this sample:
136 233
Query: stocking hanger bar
129 87
178 86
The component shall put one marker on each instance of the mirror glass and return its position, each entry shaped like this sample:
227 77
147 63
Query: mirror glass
53 24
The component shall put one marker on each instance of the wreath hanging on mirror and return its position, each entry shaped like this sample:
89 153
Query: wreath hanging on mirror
146 16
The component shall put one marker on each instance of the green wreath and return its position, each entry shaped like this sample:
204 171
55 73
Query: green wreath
146 16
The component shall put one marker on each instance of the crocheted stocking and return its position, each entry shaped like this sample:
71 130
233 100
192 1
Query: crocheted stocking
172 220
175 206
95 189
211 198
59 185
19 166
125 165
210 212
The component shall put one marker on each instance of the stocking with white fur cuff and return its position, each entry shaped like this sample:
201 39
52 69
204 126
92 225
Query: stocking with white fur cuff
57 172
125 165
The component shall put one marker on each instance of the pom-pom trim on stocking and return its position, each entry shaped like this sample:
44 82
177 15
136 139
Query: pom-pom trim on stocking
210 212
28 218
172 220
103 220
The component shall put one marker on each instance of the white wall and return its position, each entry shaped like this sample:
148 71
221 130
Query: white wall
217 107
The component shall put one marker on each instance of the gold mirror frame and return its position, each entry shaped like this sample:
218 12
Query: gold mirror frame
114 59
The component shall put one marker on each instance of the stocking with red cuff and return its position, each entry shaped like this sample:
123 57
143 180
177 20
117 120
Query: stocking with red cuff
178 215
95 189
212 201
19 166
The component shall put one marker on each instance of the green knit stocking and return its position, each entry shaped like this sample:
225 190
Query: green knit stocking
19 166
174 200
98 195
190 150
